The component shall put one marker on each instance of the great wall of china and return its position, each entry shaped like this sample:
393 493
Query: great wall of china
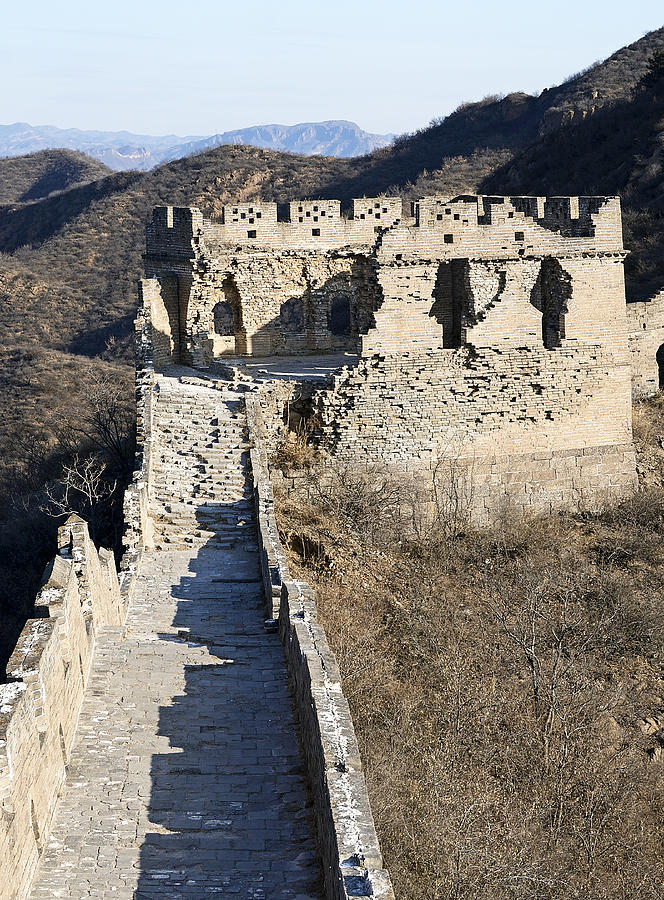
177 728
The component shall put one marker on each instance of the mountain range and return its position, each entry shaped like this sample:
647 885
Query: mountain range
122 150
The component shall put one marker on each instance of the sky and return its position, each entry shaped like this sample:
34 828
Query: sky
197 68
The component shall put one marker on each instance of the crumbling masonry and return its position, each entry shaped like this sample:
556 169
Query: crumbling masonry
490 332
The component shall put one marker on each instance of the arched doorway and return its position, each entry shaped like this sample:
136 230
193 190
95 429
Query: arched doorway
226 327
660 366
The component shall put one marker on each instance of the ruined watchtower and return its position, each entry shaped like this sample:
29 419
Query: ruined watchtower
489 331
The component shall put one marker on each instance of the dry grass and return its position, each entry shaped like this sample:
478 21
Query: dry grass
506 686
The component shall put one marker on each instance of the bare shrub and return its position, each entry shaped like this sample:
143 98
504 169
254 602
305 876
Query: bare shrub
296 450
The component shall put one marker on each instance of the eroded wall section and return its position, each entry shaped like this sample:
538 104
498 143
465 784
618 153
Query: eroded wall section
39 705
515 384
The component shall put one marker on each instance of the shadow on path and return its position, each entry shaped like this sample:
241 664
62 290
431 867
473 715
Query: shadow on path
228 811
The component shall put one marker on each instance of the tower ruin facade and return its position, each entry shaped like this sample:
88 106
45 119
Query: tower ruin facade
488 334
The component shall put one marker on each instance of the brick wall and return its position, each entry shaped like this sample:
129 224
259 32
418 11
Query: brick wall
525 428
277 281
40 704
646 336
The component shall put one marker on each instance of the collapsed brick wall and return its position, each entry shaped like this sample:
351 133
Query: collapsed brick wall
259 286
39 705
281 303
646 343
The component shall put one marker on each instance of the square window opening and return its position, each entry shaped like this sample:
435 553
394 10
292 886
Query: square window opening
449 238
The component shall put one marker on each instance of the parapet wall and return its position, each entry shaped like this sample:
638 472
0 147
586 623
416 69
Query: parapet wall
137 521
40 703
464 221
352 861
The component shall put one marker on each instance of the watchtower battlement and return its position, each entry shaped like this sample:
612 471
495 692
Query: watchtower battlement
481 224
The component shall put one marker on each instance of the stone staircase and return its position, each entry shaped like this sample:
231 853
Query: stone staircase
200 491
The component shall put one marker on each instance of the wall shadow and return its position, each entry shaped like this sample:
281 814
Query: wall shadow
228 811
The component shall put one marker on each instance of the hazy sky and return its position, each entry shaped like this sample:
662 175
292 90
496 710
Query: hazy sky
159 66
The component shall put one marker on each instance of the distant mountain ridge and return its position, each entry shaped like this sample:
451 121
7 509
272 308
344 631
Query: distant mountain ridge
123 150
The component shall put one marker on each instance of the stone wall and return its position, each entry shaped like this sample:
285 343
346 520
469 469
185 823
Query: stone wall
352 861
40 703
646 340
526 429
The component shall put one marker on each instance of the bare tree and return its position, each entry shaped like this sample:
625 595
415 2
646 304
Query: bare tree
81 488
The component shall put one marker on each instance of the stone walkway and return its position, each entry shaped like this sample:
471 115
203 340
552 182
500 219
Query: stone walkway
185 780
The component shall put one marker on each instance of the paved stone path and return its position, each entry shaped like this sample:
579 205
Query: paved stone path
185 779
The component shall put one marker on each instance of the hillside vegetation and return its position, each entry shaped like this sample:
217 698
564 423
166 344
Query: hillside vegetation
505 684
71 234
32 177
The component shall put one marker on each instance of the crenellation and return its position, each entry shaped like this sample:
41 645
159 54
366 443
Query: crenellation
386 210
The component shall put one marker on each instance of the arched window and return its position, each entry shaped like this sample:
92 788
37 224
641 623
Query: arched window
291 316
339 316
222 315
